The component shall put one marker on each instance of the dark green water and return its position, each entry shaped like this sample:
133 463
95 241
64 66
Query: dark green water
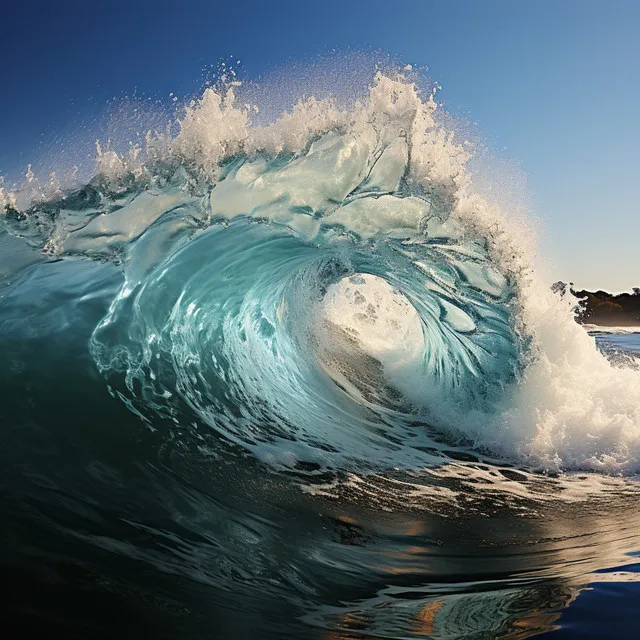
113 528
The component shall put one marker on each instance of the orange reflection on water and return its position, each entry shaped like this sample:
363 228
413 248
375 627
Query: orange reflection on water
425 618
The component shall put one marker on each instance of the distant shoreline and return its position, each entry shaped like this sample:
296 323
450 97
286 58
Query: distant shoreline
603 309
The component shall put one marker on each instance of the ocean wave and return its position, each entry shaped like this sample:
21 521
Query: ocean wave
331 292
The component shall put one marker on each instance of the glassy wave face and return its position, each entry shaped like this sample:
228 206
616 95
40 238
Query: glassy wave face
317 325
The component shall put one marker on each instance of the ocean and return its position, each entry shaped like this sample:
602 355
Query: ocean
624 342
301 380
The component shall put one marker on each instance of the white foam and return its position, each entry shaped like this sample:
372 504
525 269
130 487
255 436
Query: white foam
594 328
377 317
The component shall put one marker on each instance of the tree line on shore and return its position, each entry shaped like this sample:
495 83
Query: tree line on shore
603 308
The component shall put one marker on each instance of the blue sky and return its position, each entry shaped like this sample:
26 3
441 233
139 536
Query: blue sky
554 82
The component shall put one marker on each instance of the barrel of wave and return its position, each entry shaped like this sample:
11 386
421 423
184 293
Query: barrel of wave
369 335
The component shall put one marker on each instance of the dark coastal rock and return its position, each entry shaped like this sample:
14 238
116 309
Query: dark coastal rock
603 308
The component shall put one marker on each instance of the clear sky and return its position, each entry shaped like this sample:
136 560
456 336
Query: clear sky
555 82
